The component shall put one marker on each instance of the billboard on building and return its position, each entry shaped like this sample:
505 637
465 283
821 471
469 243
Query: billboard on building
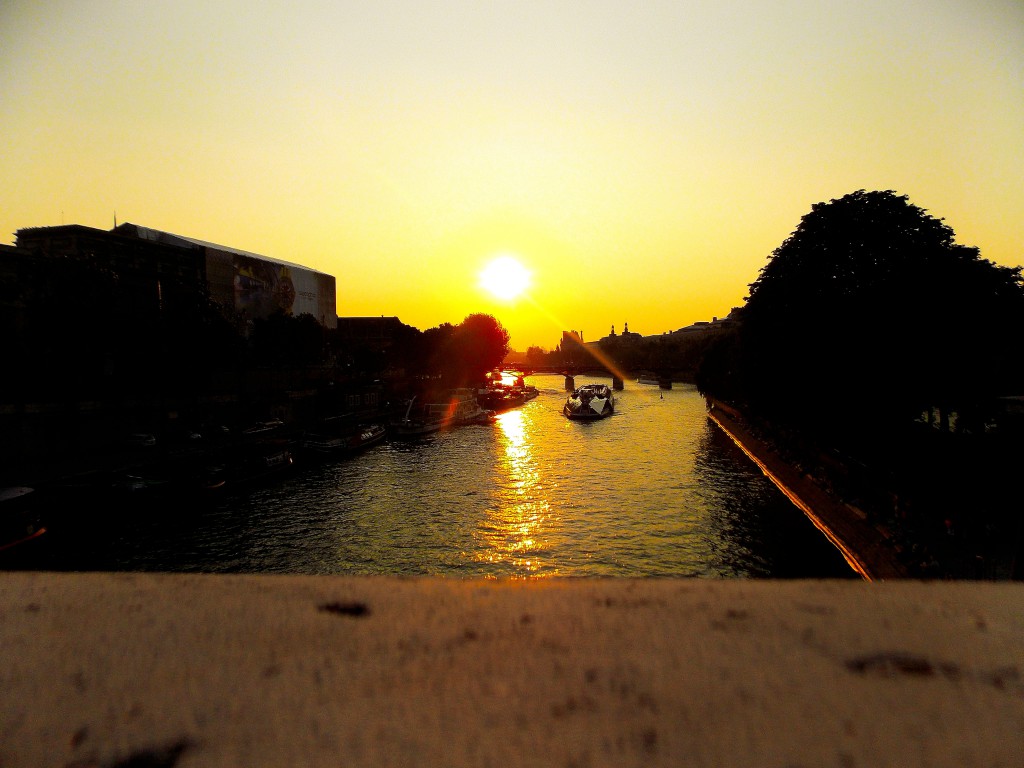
258 287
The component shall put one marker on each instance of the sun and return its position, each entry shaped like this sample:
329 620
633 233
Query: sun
505 277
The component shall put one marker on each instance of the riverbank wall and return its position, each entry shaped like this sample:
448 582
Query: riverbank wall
118 670
865 546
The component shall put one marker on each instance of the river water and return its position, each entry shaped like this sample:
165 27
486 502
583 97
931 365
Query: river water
656 490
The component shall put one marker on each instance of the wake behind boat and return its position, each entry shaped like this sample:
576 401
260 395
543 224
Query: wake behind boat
589 402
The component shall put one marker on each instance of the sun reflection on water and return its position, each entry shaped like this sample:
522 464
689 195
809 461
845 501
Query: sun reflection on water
513 532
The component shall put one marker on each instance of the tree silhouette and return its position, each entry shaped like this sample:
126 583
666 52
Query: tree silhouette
870 312
478 345
284 342
461 354
536 355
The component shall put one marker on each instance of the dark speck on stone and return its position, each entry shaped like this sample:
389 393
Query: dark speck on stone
155 757
356 610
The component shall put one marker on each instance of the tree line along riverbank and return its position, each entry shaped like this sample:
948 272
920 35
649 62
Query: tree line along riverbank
882 358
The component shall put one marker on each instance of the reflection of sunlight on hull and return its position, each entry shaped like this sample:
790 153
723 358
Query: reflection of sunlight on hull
512 533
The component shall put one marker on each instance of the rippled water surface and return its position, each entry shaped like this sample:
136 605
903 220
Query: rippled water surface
654 490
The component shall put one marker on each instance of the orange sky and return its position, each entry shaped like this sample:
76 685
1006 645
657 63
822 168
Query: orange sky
643 160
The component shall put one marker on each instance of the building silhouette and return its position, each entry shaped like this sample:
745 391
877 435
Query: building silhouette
109 332
246 285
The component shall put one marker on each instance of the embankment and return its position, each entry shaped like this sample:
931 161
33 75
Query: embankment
866 547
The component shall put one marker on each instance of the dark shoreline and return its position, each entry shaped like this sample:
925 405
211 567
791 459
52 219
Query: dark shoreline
865 546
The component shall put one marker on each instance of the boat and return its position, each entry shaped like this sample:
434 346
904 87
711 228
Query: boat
368 434
498 398
589 402
418 422
132 483
340 444
257 462
646 377
459 407
486 416
117 489
500 395
469 411
528 390
262 427
20 519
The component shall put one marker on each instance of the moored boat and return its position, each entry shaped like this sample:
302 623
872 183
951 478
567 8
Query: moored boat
505 390
528 390
258 462
329 443
20 519
457 407
418 422
497 398
469 411
589 402
485 416
369 434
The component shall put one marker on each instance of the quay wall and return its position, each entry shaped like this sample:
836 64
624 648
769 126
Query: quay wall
865 547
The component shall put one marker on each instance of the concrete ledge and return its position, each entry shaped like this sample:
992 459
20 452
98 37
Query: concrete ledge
205 670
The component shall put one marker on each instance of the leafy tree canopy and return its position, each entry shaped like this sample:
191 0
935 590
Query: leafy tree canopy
280 340
479 344
461 354
871 305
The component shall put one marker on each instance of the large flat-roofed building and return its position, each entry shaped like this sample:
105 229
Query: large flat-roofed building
252 285
255 285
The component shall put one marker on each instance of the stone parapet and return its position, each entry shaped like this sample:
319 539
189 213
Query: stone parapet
218 670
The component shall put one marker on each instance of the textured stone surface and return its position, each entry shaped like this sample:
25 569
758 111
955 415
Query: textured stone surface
199 670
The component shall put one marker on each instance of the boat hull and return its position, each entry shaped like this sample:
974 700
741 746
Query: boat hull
417 428
20 519
455 408
590 402
578 416
342 445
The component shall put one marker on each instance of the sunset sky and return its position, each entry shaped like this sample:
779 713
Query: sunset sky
640 159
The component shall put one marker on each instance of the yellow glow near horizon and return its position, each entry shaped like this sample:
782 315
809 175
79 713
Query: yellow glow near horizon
505 277
645 163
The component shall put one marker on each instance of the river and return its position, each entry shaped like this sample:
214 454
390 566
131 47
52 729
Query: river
656 490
